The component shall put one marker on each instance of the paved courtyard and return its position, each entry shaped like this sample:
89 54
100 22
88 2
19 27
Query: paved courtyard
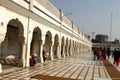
80 67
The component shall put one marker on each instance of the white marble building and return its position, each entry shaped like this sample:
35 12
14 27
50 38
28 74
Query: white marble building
28 27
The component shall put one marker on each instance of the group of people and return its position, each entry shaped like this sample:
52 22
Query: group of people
34 58
102 54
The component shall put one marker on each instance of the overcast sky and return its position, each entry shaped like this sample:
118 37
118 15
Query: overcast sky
93 15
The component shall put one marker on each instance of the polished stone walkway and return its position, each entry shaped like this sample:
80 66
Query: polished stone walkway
80 67
111 61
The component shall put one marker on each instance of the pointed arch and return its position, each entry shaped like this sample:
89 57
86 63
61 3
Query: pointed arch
47 44
13 42
36 42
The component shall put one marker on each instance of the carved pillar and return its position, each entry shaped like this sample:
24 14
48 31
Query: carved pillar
40 57
51 52
64 50
57 48
67 51
73 51
77 49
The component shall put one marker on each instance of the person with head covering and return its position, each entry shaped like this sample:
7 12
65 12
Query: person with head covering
31 61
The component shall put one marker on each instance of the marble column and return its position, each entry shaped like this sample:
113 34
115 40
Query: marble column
64 51
57 48
41 51
67 51
51 50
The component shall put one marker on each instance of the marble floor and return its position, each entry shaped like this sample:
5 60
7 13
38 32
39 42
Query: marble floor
80 67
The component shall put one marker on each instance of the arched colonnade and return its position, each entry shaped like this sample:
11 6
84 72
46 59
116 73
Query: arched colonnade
20 43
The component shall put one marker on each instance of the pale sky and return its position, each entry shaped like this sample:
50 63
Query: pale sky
93 15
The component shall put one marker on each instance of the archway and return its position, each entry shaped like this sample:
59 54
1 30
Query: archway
48 44
12 46
55 46
35 44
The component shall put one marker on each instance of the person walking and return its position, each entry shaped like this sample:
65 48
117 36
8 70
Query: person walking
94 53
44 58
116 55
108 52
98 53
103 54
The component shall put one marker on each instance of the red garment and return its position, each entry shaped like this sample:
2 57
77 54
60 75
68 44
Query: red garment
102 54
32 62
117 62
98 51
